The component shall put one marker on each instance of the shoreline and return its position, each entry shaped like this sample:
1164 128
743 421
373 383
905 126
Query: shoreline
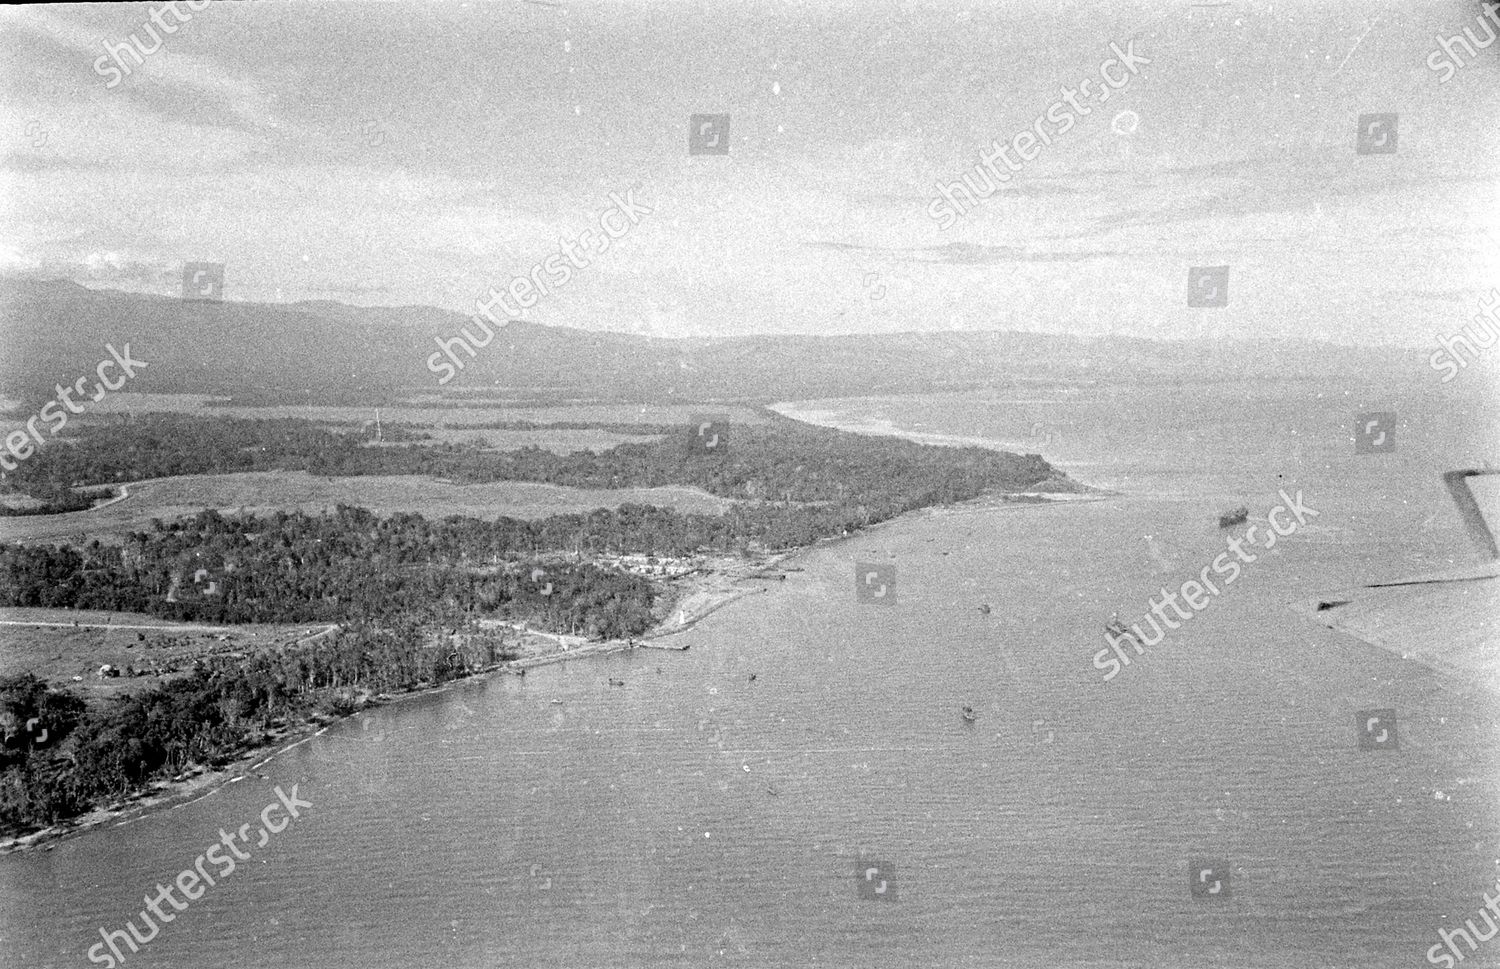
700 595
722 589
716 589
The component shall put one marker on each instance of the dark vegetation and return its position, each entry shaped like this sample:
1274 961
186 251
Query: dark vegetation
54 498
407 591
853 479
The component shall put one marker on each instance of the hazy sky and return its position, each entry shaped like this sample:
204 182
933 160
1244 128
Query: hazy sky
392 153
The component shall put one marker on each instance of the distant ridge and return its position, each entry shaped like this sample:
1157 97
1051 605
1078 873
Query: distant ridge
323 351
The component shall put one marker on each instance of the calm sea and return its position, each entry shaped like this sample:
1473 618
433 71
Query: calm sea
697 817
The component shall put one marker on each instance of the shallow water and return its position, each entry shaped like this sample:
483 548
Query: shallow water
696 817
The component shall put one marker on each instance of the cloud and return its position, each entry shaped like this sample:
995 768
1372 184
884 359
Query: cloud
167 83
971 254
29 163
187 104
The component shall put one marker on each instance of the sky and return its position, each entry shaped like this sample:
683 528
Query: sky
393 153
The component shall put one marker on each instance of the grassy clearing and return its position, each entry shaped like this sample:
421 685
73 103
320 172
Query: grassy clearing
473 411
266 491
446 424
57 653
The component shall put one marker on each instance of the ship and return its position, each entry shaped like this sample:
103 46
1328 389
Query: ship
1232 518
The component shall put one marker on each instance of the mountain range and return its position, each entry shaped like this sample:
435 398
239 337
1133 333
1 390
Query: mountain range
53 331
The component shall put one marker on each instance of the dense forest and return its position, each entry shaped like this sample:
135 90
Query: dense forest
407 591
347 565
60 758
779 460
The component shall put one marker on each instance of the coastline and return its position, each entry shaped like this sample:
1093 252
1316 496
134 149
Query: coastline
825 417
708 593
721 583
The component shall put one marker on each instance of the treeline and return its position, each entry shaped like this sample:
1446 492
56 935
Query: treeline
408 590
60 758
55 498
347 565
776 461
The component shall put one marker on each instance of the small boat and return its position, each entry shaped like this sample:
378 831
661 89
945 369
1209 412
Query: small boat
985 609
615 682
557 703
752 677
1232 518
969 715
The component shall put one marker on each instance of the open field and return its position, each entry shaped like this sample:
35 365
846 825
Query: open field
475 411
446 424
267 491
558 440
59 644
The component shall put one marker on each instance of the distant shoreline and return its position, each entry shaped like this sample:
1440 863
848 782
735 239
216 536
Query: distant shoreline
877 428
